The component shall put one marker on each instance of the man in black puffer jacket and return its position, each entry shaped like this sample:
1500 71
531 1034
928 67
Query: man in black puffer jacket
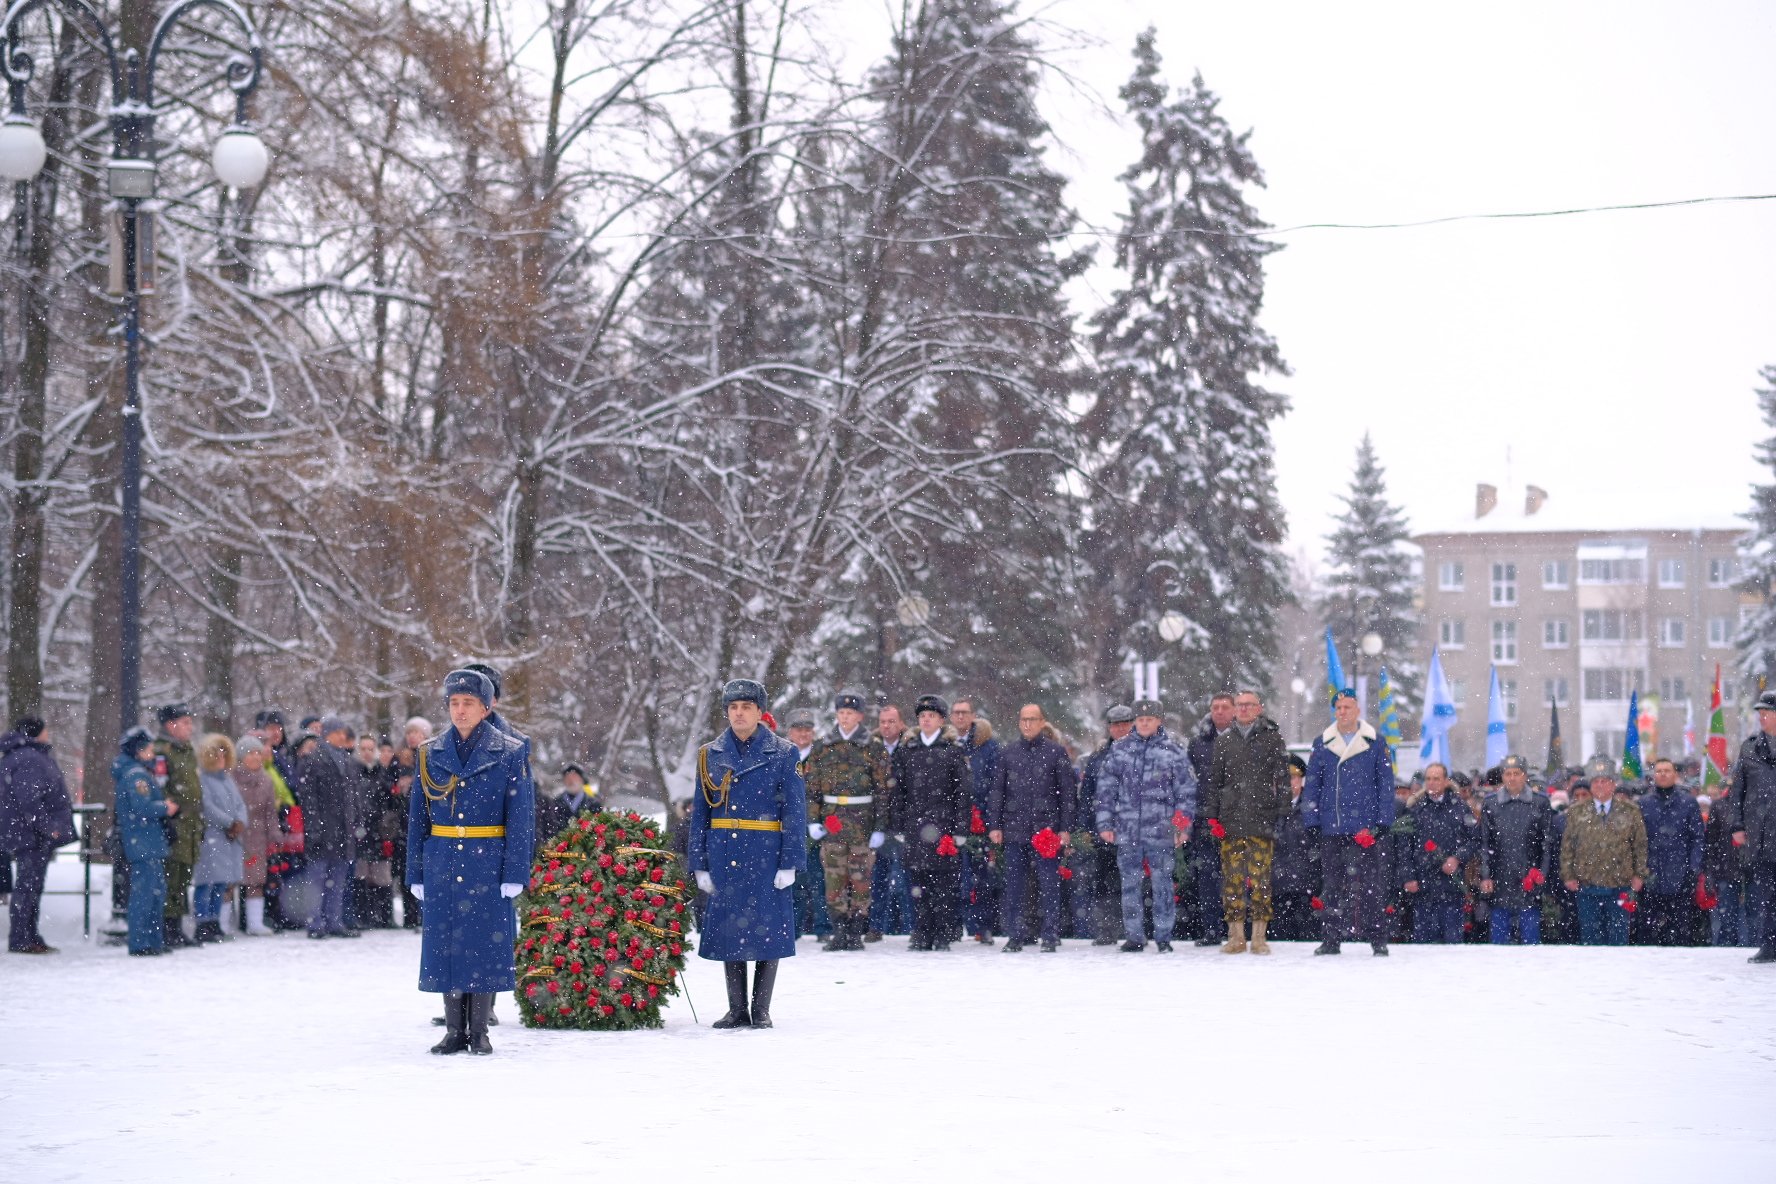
929 812
1751 815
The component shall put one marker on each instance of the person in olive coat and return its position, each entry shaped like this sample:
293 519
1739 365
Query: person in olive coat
36 817
471 827
176 766
1751 816
141 808
746 842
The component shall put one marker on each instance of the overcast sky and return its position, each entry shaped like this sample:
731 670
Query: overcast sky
1613 354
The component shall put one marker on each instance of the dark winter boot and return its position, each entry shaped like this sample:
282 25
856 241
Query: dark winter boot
1379 948
764 977
175 938
456 1021
480 1007
738 1016
1131 946
1766 953
1326 947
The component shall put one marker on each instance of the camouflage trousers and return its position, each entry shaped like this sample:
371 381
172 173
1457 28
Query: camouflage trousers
1245 880
848 866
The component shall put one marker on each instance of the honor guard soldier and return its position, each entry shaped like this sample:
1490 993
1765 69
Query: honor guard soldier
470 833
745 847
848 781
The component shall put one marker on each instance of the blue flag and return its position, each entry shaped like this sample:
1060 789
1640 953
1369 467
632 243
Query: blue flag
1388 713
1334 673
1498 745
1439 714
1631 745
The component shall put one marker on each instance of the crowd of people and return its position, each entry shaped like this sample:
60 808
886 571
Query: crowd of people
942 830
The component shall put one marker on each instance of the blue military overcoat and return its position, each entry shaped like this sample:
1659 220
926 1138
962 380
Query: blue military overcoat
749 820
140 805
454 810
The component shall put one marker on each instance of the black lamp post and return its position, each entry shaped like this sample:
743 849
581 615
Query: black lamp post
240 162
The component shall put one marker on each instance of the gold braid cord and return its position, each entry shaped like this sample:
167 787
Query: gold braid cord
714 796
432 790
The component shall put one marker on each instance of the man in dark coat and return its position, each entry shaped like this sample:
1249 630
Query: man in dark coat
1204 847
1295 875
933 796
1103 883
1674 858
1516 855
1030 811
1349 803
36 817
979 885
746 844
1751 816
328 780
555 814
471 831
1444 837
175 765
1246 798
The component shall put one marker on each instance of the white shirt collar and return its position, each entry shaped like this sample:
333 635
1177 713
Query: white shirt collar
931 739
847 735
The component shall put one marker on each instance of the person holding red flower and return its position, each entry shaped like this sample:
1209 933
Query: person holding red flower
1516 828
847 778
1349 802
1030 810
1444 837
1603 857
930 804
1146 795
1245 801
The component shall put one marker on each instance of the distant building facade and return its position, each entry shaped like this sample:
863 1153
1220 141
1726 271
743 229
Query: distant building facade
1580 615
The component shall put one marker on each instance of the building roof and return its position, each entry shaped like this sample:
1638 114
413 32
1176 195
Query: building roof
1627 511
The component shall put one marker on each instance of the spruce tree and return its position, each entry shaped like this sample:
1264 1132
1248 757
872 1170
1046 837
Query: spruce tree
1757 637
1183 510
1368 584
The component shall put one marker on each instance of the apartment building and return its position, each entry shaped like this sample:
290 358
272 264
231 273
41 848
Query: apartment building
1579 613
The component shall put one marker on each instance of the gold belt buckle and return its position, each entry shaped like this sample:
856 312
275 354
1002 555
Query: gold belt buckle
462 831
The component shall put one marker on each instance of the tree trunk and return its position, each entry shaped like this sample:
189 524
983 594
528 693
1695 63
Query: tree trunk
219 640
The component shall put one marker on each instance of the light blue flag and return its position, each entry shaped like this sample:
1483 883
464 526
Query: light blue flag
1631 739
1498 745
1439 714
1387 712
1334 674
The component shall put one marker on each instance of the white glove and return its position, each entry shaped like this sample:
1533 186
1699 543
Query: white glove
418 891
816 831
877 839
784 878
510 890
705 884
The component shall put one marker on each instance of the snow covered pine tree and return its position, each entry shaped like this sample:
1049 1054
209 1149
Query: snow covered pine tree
1369 585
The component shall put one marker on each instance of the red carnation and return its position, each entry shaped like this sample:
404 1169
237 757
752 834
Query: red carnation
554 864
566 1010
946 846
548 877
1046 842
610 954
1216 829
657 874
607 1009
1389 910
599 828
605 860
676 949
976 824
388 848
621 869
585 824
625 999
833 824
1179 821
622 834
1365 840
628 914
1430 845
531 991
577 968
1318 904
1529 882
653 991
559 961
1066 873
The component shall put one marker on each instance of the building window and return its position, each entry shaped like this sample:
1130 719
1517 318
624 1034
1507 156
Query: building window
1719 636
1556 634
1554 690
1452 635
1609 685
1508 691
1671 632
1458 691
1671 573
1612 571
1556 573
1722 573
1609 624
1609 743
1504 641
1450 577
1504 583
1672 690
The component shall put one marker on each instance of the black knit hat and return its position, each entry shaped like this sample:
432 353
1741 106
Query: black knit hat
931 703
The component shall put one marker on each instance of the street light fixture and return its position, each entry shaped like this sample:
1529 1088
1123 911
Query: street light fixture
240 162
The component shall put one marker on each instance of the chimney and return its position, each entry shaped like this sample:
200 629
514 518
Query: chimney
1534 498
1486 497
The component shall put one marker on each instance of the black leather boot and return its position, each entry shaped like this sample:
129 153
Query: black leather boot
764 977
456 1021
480 1006
1766 952
1327 947
175 935
738 1016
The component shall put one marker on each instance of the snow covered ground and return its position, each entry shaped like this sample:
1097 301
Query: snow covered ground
279 1058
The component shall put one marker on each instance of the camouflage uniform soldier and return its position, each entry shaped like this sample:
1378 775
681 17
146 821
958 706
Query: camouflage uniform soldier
848 779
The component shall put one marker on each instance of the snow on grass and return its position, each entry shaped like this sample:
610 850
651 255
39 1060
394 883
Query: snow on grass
307 1060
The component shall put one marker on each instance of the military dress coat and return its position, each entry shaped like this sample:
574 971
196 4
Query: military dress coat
749 820
454 808
140 805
